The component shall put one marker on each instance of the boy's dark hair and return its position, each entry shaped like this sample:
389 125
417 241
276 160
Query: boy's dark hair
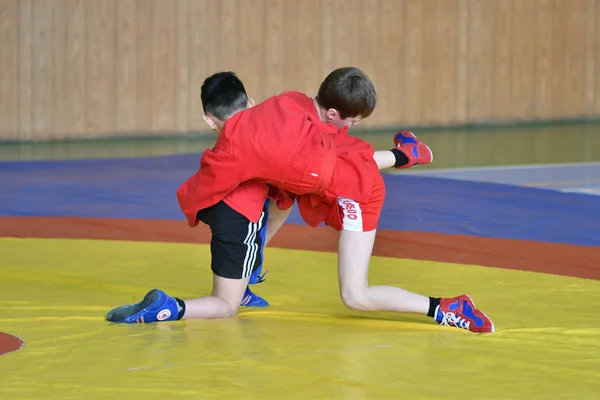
349 91
223 94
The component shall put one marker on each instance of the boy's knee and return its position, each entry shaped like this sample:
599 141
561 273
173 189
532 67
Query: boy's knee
226 309
355 298
233 312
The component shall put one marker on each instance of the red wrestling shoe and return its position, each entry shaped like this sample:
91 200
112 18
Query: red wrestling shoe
415 150
460 312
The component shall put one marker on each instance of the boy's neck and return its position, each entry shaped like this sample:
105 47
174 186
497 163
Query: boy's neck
320 110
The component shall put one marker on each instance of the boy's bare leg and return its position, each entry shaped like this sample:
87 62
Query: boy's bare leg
385 159
227 294
353 267
157 306
277 218
354 255
235 253
223 302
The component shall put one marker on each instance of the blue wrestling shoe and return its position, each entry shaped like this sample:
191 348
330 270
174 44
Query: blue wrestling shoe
156 307
252 300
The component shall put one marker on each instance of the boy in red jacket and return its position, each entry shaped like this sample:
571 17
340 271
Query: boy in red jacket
299 147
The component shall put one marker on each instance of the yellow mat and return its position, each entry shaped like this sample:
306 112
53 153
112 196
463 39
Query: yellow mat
306 346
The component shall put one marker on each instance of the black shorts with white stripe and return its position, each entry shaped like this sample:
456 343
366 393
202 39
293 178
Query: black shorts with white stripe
237 243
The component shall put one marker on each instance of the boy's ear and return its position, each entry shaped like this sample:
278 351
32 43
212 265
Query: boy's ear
332 114
208 119
251 103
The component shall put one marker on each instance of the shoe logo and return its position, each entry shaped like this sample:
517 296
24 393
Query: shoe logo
163 314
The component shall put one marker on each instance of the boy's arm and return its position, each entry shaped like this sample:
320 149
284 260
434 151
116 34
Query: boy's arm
277 218
279 210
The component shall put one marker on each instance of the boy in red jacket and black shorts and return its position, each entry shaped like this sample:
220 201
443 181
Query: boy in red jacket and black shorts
298 147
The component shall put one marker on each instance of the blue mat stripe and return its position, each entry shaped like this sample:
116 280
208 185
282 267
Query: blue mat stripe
145 188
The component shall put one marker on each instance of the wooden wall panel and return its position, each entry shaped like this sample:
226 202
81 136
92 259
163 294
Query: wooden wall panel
274 45
250 33
224 29
415 47
430 63
58 62
100 51
481 67
203 22
523 57
575 57
76 72
306 60
591 44
24 77
445 103
144 93
164 63
9 67
389 67
126 66
545 71
596 75
41 87
462 73
501 67
182 70
94 68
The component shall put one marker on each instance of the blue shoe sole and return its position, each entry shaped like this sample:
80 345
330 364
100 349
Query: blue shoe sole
257 302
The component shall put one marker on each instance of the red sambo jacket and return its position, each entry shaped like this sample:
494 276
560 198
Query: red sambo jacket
280 142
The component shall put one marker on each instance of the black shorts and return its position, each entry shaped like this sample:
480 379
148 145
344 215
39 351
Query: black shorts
237 243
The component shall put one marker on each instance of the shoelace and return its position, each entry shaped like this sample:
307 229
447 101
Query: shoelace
261 278
450 319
